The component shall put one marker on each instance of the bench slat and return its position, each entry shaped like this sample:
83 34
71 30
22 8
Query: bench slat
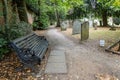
21 43
22 38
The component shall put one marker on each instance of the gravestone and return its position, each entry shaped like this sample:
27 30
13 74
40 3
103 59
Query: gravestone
90 23
70 23
64 25
84 31
76 27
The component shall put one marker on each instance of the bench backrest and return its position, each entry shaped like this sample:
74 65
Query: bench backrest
28 41
32 42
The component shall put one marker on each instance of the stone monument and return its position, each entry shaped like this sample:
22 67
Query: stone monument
76 27
64 26
84 31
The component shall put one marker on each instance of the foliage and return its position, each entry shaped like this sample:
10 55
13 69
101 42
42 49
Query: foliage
78 12
19 30
51 10
116 4
112 7
33 6
35 25
16 31
44 20
3 47
116 8
63 9
3 42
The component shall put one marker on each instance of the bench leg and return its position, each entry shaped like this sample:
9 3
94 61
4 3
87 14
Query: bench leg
44 57
39 62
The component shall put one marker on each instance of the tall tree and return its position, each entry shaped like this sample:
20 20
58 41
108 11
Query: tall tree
5 13
103 9
21 5
57 4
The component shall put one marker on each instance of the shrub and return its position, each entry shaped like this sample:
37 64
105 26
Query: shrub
35 25
44 19
3 47
13 31
20 29
42 23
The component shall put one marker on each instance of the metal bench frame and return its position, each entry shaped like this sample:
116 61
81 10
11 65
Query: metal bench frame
30 49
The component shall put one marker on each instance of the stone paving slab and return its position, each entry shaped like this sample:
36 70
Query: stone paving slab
56 68
56 59
56 62
57 53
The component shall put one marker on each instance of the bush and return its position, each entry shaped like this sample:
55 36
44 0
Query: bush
3 47
20 29
42 23
13 32
35 25
44 20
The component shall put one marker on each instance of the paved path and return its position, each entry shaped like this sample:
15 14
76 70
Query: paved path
84 60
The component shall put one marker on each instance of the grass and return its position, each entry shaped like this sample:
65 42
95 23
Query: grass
99 34
105 34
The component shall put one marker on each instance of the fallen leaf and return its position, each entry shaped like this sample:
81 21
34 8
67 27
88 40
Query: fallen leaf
105 77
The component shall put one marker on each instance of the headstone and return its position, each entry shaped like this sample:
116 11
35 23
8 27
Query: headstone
64 25
76 27
97 22
67 23
95 25
70 23
90 23
110 21
84 31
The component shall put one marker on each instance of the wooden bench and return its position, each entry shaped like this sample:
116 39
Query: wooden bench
30 49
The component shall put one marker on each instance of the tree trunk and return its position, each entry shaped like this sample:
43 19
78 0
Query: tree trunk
58 18
5 14
57 14
104 17
22 10
39 16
